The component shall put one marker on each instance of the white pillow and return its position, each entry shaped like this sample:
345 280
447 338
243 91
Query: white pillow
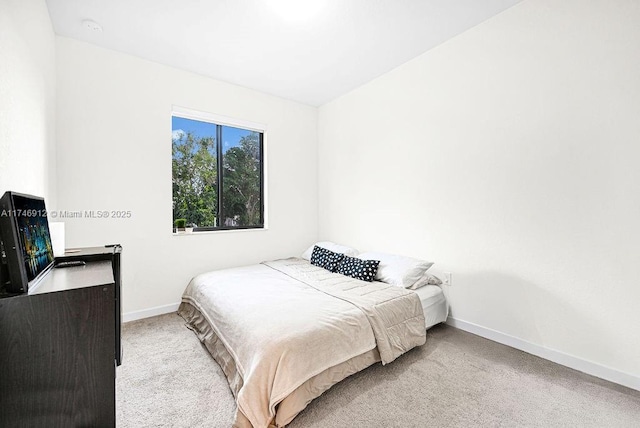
427 279
398 270
336 248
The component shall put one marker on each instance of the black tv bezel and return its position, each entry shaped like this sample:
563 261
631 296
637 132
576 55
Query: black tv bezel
18 279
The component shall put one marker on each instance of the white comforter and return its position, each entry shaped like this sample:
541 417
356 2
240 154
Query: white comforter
286 321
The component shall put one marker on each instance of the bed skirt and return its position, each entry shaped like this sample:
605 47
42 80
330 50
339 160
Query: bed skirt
295 402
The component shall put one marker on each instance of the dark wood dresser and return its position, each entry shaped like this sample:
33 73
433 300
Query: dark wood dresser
59 346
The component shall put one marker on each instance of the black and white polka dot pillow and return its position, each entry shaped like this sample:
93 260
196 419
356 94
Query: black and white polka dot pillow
357 268
326 259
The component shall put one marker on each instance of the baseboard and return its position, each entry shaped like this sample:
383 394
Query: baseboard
588 367
151 312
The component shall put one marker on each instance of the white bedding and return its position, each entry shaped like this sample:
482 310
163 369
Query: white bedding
434 304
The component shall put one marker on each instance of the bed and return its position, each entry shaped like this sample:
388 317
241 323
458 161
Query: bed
285 331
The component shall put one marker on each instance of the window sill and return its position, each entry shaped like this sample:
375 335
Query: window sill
210 232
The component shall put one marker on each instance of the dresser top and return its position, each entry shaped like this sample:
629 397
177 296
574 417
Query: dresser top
90 275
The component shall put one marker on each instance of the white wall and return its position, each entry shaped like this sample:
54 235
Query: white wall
114 142
27 99
509 156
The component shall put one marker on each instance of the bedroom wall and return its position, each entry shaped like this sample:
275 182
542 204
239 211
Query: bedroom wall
509 156
27 99
114 133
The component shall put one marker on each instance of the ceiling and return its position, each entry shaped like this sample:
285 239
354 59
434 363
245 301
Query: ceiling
303 50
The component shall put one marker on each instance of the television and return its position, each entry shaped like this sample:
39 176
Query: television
26 240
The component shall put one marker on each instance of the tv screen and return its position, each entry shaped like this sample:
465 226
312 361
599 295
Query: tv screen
26 238
33 232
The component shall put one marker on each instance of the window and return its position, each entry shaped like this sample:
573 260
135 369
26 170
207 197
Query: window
217 173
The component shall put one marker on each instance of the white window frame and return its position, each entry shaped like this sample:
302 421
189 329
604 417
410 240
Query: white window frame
187 113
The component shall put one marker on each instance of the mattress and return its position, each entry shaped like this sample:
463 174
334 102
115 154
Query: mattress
434 304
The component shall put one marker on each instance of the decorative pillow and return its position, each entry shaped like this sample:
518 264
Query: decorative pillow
358 268
398 270
427 279
326 259
330 246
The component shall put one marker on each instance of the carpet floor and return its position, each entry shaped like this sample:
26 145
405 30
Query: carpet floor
168 379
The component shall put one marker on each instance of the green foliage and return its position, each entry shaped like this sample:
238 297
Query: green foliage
241 181
180 223
195 196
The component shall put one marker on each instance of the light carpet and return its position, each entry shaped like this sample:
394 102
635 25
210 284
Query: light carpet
167 379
